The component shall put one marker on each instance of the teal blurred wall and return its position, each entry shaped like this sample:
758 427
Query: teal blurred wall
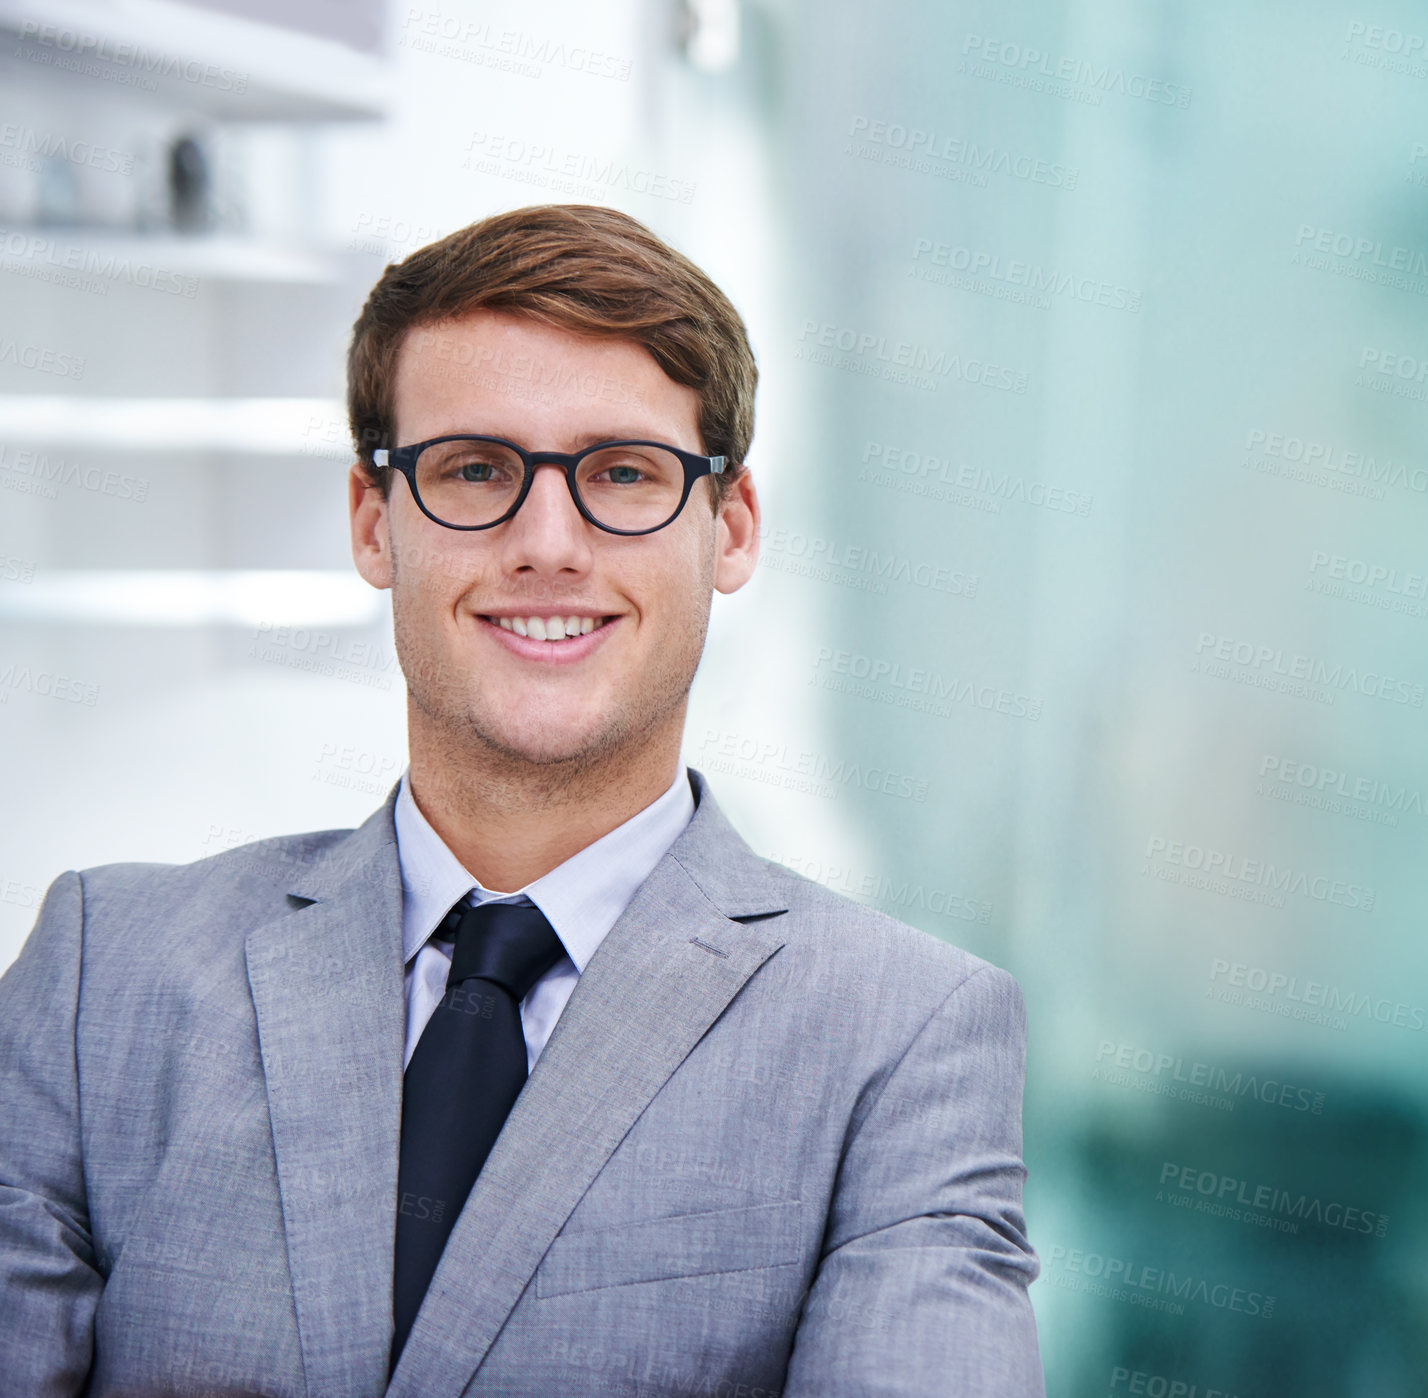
1157 278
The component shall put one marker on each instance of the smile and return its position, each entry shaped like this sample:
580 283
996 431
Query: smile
549 628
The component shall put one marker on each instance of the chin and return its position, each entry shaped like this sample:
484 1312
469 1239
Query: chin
549 744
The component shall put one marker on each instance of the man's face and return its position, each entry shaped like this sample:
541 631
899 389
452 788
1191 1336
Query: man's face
624 681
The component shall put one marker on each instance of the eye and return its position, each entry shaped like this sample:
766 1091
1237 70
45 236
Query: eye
481 466
621 466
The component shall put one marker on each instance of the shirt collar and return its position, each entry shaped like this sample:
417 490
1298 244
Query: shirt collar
581 898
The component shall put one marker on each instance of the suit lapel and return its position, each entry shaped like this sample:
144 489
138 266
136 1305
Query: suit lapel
327 986
663 974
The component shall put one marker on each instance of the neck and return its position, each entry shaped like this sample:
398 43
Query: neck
510 821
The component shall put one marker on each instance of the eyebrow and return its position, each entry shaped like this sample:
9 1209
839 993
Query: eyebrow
588 439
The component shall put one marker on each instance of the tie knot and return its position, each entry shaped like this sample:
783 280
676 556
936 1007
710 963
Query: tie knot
509 943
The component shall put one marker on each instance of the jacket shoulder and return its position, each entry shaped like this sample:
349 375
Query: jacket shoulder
138 906
268 860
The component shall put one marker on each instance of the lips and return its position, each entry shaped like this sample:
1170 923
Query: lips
556 640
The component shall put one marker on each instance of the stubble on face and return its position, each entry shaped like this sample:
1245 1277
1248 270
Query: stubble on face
526 754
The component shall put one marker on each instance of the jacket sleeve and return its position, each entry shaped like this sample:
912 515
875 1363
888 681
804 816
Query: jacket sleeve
922 1285
48 1276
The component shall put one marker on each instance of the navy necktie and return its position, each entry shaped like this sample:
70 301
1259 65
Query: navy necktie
465 1074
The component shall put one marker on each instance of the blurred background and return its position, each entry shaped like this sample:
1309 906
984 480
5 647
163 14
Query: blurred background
1089 631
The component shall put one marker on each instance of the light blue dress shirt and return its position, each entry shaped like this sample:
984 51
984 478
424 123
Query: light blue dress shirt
581 899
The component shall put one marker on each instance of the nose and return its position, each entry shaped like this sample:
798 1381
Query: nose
547 535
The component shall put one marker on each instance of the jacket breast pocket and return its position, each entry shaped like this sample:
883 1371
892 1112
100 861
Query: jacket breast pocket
660 1249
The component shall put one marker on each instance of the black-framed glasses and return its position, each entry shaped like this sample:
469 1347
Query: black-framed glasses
473 482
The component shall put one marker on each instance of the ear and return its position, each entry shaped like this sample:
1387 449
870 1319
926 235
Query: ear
737 542
371 529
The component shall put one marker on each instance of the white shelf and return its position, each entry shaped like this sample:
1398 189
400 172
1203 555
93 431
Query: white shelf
211 257
202 60
250 426
195 597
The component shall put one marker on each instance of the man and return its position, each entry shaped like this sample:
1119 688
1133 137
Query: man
539 1082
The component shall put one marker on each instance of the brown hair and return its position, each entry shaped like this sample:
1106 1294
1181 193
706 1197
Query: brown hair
587 269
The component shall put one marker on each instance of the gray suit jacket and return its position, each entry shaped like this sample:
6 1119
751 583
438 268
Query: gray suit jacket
773 1146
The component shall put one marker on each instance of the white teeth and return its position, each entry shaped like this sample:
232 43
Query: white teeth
554 628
